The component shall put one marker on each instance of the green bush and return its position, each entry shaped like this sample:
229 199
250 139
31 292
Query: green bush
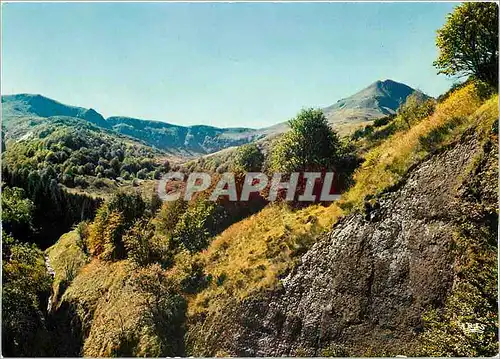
416 108
309 145
193 230
145 247
17 211
169 215
248 158
166 309
194 279
379 122
26 288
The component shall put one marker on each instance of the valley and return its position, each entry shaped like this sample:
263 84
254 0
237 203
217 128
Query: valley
403 263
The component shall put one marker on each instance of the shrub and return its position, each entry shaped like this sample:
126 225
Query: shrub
17 211
194 278
379 122
169 215
144 247
309 145
335 350
25 290
80 182
416 108
166 308
248 158
142 174
104 240
193 229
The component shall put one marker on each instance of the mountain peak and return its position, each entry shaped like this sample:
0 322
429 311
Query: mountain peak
381 98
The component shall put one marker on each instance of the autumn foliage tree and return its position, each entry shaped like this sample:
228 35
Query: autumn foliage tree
112 220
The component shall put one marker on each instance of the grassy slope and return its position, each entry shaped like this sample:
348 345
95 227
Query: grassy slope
252 253
108 299
248 257
66 258
387 163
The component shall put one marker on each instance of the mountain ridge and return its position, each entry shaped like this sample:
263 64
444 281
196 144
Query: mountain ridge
379 99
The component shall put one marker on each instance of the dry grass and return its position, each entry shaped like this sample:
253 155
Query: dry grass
387 163
66 258
95 280
250 255
112 309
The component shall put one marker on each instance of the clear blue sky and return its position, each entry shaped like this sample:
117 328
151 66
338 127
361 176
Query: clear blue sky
222 64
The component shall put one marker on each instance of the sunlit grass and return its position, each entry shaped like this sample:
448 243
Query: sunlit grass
66 259
388 162
249 256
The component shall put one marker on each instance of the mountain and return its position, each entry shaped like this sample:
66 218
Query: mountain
380 99
193 139
22 111
23 105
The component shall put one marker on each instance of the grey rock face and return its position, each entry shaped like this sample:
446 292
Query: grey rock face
366 283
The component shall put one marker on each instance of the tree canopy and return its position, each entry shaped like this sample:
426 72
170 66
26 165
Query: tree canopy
468 42
309 145
248 158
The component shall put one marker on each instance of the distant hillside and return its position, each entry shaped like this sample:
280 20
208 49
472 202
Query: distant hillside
192 139
23 111
24 105
380 99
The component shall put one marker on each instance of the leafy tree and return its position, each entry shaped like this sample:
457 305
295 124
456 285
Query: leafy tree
115 165
125 175
248 158
17 211
105 235
195 226
309 145
165 310
25 291
144 246
169 215
105 239
416 108
131 206
468 42
142 174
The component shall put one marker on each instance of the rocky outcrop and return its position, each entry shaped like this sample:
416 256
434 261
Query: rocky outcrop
362 289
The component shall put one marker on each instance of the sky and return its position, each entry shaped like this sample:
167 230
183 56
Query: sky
220 64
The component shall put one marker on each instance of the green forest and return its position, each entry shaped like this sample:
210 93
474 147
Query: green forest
95 264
